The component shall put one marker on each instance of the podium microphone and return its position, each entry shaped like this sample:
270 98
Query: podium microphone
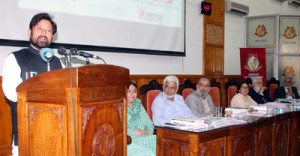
63 51
75 51
47 55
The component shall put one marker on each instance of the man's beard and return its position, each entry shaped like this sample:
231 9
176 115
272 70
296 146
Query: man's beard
38 43
169 96
203 94
257 89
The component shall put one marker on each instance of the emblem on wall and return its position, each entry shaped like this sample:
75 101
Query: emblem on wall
253 64
289 33
288 71
261 31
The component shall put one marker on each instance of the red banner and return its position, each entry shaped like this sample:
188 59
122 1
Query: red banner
253 62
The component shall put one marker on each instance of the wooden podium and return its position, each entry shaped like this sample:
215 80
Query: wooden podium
6 126
79 111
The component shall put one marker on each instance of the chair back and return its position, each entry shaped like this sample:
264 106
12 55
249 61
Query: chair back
232 90
215 94
151 94
152 85
186 84
272 90
186 92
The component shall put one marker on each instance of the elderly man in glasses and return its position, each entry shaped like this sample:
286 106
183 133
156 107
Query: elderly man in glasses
287 91
168 105
258 92
199 101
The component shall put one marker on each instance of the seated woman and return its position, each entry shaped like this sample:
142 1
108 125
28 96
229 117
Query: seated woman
242 99
139 126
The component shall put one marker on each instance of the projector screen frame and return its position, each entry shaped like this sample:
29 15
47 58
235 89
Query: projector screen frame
97 48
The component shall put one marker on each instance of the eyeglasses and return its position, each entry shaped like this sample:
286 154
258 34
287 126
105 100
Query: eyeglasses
169 87
203 85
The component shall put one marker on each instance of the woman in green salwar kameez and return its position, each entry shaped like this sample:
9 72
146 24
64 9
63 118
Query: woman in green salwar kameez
139 126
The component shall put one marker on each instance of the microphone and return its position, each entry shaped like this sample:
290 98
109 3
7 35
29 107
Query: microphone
63 51
46 54
74 51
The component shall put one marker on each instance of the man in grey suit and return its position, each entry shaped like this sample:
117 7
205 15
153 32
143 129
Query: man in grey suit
199 101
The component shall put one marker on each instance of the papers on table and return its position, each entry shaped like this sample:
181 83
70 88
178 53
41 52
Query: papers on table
202 124
236 112
217 122
190 122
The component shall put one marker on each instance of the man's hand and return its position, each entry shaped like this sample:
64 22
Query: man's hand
290 93
262 89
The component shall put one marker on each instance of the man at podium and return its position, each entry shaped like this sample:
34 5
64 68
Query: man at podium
19 64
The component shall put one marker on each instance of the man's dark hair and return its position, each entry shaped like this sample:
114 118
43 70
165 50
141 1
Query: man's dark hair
38 17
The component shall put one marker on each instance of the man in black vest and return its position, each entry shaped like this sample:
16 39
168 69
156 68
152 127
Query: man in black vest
41 31
258 92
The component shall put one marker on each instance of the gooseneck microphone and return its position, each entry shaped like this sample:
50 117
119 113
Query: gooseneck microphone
47 55
75 51
63 51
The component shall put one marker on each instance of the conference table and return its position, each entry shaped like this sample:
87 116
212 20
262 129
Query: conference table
275 135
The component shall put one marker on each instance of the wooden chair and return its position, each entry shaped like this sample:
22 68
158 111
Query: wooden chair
232 90
186 92
215 94
152 85
186 84
272 90
272 85
231 87
151 94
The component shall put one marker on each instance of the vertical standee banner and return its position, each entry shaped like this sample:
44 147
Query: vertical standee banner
253 62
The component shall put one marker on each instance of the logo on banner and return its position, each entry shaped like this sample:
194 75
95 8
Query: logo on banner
289 72
289 33
253 64
261 31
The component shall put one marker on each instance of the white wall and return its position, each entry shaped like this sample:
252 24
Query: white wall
192 63
235 28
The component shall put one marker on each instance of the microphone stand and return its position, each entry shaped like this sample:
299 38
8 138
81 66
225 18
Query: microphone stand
67 60
87 61
48 65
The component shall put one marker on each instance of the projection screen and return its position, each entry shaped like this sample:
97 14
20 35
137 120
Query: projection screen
134 26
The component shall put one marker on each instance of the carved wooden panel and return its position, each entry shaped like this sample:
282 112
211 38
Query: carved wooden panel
104 141
264 140
213 39
171 148
242 145
105 136
5 119
294 145
240 140
54 143
214 34
213 148
282 138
